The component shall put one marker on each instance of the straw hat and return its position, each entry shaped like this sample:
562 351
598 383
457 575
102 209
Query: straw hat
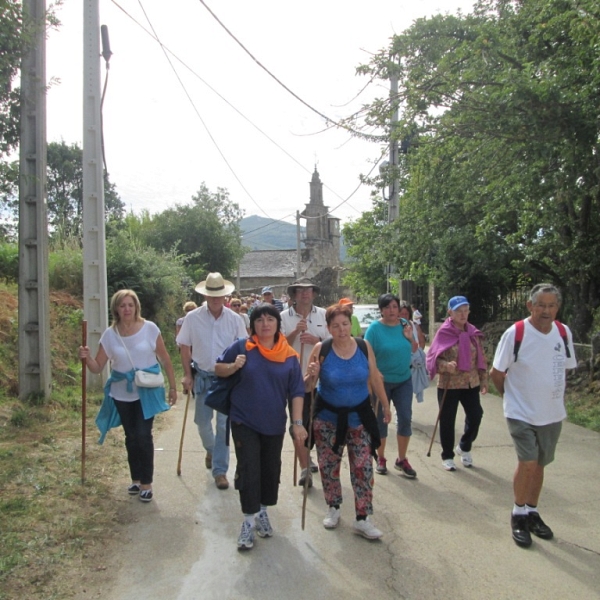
215 285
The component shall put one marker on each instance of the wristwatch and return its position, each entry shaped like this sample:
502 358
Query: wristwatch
298 422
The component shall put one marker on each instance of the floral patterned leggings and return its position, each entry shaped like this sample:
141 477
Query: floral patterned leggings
358 442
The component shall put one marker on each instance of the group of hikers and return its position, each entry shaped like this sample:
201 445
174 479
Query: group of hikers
338 389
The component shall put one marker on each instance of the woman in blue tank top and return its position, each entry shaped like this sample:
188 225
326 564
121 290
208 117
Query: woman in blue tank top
344 417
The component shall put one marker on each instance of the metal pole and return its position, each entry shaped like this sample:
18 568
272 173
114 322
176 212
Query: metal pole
34 293
298 251
95 288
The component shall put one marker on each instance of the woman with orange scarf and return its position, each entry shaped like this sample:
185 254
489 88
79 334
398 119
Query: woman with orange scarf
270 374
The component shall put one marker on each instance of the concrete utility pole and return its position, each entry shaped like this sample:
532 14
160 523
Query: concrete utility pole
298 250
34 293
95 288
394 207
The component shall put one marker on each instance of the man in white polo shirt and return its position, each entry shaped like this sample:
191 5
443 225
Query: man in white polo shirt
304 325
204 334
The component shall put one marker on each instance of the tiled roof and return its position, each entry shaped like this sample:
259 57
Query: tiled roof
271 263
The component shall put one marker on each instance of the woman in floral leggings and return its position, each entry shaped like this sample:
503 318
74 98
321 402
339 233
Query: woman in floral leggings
345 367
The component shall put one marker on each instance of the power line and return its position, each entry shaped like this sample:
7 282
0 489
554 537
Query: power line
328 120
214 141
166 50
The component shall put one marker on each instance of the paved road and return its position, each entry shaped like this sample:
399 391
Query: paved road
447 535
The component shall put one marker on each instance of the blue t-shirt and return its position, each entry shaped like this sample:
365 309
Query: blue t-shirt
259 400
343 383
392 351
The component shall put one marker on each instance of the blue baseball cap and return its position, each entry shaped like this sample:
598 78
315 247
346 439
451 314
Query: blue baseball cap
267 290
457 301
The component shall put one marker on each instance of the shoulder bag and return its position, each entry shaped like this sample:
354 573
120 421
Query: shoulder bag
144 379
218 396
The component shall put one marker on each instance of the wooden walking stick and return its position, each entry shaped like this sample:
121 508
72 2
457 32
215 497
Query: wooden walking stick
295 466
83 398
295 474
309 442
438 417
187 403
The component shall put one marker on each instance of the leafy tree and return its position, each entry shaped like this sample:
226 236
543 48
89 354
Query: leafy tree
158 278
206 232
65 193
11 48
368 245
503 179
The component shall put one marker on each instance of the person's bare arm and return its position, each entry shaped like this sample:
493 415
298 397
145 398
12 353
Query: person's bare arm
498 378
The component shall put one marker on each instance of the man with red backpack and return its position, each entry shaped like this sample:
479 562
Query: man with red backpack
529 370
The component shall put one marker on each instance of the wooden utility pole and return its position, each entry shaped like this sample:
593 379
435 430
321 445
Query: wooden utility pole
34 293
95 288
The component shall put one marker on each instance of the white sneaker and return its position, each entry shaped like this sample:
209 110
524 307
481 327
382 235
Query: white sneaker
465 457
367 529
449 464
332 519
246 538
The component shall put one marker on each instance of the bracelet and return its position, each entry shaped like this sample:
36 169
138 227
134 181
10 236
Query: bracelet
298 422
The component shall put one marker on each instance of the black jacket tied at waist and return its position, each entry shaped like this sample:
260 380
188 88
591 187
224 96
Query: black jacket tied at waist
365 413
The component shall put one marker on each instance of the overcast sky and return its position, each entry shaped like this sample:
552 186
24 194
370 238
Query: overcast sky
160 146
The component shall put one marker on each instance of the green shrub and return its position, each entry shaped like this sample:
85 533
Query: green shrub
9 262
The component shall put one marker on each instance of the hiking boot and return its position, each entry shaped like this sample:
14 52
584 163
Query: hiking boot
146 495
520 530
304 475
449 464
221 482
134 489
246 538
404 466
465 457
381 467
208 460
538 527
367 529
332 520
263 525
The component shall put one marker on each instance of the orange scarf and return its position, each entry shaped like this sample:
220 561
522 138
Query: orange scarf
280 352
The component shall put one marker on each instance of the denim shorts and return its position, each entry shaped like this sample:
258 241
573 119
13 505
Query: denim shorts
401 396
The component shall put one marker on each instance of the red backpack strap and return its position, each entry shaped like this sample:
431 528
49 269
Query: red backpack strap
519 332
563 335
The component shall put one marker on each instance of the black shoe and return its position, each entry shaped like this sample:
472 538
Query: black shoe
520 530
134 489
538 527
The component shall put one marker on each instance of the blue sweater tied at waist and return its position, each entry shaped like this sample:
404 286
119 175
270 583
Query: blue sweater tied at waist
152 399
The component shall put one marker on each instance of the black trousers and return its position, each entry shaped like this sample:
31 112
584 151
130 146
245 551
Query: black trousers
258 471
469 398
138 440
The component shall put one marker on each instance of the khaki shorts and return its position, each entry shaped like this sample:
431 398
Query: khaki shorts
534 442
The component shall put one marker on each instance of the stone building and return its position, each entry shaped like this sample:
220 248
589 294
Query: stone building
321 251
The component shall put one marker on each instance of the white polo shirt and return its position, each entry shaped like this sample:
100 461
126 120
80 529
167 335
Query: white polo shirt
316 326
208 336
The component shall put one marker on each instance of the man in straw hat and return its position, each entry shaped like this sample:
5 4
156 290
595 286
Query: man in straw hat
304 325
204 335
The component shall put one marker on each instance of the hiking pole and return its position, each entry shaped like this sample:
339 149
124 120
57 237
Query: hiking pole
187 403
83 398
438 417
309 442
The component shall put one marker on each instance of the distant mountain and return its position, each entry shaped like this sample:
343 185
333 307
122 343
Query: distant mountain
260 233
